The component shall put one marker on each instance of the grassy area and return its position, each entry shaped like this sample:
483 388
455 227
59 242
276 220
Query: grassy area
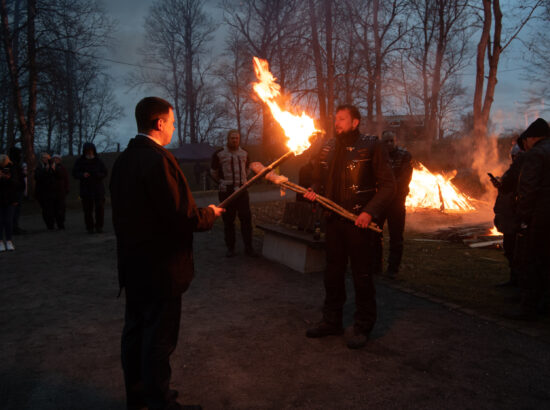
445 270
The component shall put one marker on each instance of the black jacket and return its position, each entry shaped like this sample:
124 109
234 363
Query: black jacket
354 171
506 218
154 216
400 160
91 186
534 186
10 186
45 182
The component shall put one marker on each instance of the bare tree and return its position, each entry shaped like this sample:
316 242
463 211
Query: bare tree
272 30
26 115
491 45
235 75
178 33
437 52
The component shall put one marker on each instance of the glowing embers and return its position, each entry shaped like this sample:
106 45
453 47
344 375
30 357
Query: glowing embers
435 191
297 129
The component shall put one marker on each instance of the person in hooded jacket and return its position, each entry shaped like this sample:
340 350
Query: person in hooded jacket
533 241
91 171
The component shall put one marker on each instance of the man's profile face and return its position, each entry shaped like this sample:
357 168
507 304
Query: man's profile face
166 125
233 140
343 122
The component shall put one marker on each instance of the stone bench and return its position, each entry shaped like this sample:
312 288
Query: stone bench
293 247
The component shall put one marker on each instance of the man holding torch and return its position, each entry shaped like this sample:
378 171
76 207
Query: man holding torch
352 170
154 216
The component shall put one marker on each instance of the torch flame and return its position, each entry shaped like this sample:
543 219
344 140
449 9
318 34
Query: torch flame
297 129
428 190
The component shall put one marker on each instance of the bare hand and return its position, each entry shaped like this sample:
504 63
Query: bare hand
217 210
363 220
310 195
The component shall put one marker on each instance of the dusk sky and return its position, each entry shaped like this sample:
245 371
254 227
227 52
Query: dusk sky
507 111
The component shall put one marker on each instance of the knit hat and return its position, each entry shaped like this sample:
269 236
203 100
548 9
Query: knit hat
538 128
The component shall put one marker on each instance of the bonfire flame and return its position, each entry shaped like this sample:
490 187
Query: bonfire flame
494 232
428 190
297 129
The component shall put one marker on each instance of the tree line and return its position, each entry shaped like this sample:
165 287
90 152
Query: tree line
403 57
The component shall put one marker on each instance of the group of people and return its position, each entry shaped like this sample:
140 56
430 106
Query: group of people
521 214
51 188
155 216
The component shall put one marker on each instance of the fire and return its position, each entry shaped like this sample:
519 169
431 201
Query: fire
494 232
428 190
297 129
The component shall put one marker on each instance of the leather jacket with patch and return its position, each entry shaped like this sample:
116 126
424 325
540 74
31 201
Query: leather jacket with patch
354 170
400 160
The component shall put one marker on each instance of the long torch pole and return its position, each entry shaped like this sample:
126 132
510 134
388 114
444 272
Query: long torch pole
267 169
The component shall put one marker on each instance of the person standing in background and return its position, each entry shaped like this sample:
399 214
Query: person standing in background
90 170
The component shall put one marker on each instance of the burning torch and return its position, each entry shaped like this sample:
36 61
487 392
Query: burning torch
297 129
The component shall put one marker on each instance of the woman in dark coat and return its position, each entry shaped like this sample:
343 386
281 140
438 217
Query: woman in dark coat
91 172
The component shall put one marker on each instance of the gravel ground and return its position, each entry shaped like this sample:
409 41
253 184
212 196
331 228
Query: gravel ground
242 342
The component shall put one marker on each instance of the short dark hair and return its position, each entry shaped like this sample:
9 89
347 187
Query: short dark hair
148 111
352 109
233 132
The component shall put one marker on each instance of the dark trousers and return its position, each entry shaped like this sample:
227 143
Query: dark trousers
344 241
149 337
241 207
6 222
17 212
89 204
396 225
509 245
59 211
535 278
48 211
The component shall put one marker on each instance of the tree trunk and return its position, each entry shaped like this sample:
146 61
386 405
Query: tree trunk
316 48
26 122
330 68
482 106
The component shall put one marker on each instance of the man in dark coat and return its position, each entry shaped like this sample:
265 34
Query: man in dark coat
91 172
506 219
154 216
400 160
354 171
44 176
532 208
61 190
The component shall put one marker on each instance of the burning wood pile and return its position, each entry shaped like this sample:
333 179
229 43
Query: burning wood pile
473 235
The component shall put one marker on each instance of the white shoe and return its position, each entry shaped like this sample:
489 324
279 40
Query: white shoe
2 246
9 246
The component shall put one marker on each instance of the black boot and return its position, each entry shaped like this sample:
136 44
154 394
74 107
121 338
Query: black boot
323 329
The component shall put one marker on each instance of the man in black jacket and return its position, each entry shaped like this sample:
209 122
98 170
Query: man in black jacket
354 171
44 176
400 160
91 171
532 209
506 219
154 216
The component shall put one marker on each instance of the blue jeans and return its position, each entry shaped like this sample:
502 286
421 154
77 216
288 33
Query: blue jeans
6 221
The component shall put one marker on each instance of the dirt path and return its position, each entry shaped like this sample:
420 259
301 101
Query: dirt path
242 341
